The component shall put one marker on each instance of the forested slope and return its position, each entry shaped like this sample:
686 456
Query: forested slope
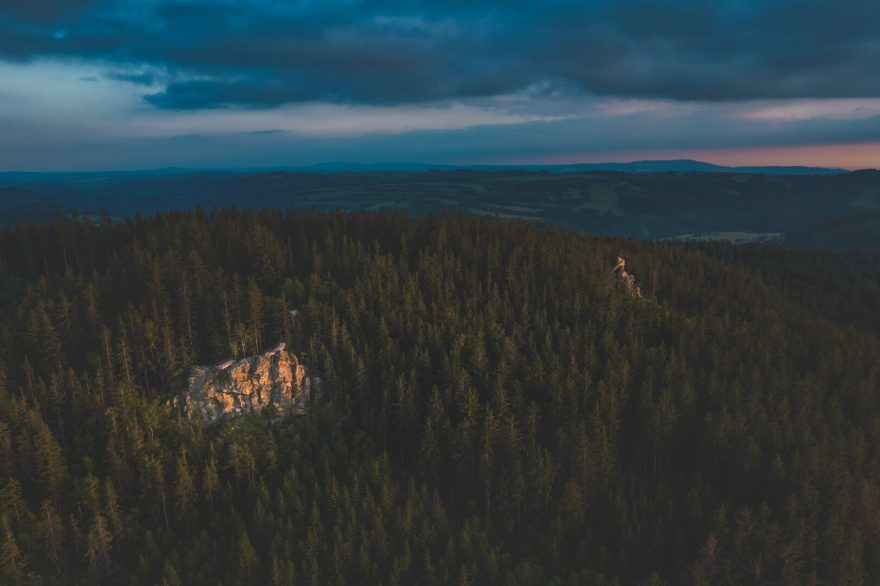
499 411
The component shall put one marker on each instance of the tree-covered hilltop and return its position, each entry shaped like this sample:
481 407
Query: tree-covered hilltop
499 410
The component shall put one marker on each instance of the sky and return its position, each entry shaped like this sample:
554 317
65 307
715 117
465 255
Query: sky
136 84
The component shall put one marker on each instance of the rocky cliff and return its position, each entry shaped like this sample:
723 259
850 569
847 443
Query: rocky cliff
249 385
625 280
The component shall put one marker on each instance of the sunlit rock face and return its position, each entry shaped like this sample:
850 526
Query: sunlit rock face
249 385
626 280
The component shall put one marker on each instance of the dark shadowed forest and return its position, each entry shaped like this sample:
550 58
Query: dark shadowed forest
497 409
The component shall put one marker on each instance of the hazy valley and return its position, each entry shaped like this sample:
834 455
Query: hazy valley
836 211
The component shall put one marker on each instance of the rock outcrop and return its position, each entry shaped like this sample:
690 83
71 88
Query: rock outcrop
624 279
249 385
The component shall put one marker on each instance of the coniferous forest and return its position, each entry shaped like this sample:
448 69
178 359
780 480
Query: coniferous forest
498 410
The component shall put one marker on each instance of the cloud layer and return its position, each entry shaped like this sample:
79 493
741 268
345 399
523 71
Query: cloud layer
263 53
140 83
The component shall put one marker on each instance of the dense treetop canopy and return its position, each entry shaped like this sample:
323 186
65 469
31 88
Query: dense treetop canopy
499 410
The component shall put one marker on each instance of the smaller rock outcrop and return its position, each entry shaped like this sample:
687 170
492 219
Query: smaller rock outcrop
235 387
624 279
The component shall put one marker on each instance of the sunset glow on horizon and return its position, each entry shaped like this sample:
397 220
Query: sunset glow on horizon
842 156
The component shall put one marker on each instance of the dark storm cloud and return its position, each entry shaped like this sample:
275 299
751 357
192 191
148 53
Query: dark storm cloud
269 52
136 77
45 10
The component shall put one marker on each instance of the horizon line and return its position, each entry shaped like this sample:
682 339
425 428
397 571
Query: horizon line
526 166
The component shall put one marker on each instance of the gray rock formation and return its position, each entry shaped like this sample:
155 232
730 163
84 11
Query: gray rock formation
249 385
625 280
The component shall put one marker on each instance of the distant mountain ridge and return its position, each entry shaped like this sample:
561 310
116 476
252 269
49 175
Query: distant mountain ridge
647 166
